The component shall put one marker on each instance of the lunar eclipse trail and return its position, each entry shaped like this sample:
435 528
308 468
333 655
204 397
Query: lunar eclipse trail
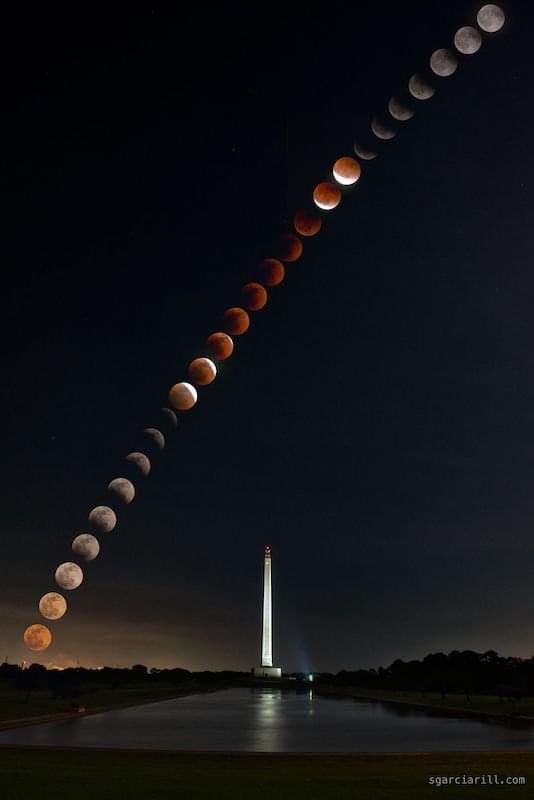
236 320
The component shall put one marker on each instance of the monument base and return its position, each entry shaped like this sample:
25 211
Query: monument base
267 672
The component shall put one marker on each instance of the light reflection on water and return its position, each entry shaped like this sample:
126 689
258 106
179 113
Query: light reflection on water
274 720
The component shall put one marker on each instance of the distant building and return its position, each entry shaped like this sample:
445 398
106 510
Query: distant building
267 670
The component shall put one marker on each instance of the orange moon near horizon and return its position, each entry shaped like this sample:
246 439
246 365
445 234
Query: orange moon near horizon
253 296
182 396
307 223
346 171
220 345
326 196
202 371
52 605
236 321
290 247
271 272
37 637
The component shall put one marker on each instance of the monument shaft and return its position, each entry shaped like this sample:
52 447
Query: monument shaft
267 636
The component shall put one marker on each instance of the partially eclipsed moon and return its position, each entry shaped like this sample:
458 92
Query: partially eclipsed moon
236 321
467 40
156 437
37 637
364 152
326 196
290 248
141 462
202 371
69 575
52 605
171 416
346 171
86 546
307 223
491 18
382 131
220 346
182 396
399 111
123 488
420 89
443 62
271 272
104 518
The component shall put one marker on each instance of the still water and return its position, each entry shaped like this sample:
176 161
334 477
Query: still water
277 721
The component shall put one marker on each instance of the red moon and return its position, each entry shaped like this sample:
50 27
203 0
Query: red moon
271 271
37 637
290 247
220 346
346 170
253 296
202 371
182 396
327 196
236 321
307 223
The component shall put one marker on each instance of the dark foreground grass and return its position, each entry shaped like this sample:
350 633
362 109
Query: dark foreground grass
99 775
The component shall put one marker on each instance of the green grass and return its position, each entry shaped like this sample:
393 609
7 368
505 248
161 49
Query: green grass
488 704
39 775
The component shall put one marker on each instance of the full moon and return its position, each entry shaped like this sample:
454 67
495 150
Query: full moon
290 247
346 171
156 436
236 321
326 196
253 296
443 62
420 89
69 575
123 488
202 371
307 223
52 605
86 546
364 152
104 518
399 111
220 346
182 396
37 637
467 40
382 131
271 272
141 462
491 18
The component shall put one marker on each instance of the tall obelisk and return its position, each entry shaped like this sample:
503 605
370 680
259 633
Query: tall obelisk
267 670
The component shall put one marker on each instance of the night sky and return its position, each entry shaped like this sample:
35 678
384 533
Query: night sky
375 425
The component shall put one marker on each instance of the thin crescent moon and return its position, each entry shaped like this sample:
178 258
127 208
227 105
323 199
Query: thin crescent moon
382 131
419 88
171 416
399 111
364 152
156 436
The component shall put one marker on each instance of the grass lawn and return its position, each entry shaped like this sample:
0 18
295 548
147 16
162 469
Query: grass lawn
39 775
489 704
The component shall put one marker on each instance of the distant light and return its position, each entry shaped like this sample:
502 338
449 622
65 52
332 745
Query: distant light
310 677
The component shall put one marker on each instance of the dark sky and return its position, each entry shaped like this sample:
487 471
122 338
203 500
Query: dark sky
376 424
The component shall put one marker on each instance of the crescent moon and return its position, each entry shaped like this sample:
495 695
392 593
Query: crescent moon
141 462
104 518
86 546
364 152
171 416
156 436
420 89
123 488
399 111
382 131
